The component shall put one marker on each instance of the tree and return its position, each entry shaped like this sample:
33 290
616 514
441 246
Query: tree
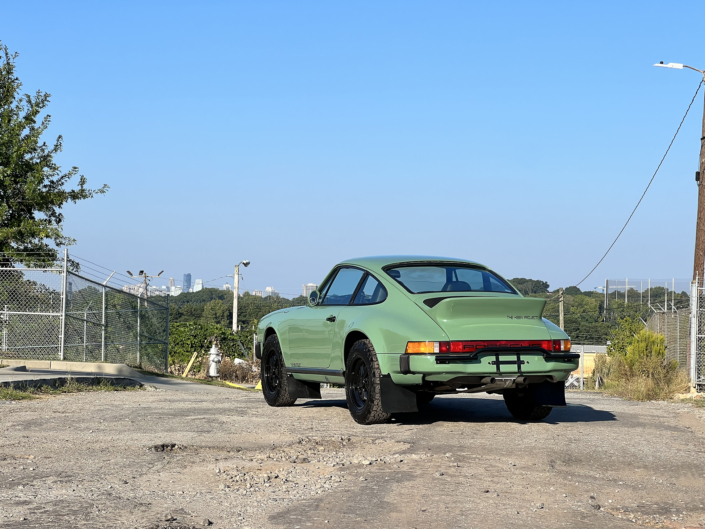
529 286
33 188
217 312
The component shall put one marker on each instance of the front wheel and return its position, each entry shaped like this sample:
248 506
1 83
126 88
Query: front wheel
363 390
273 374
523 407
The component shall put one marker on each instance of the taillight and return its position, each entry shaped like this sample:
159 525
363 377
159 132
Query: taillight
561 345
427 347
470 346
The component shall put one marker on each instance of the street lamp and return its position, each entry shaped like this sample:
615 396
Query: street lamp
236 290
699 261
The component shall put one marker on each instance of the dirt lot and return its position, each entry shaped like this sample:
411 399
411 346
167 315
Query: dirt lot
169 459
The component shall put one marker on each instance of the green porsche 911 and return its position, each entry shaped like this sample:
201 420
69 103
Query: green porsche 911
396 331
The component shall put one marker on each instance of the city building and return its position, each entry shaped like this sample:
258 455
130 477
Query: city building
258 293
171 283
186 286
157 291
227 286
198 286
269 291
137 290
308 288
175 290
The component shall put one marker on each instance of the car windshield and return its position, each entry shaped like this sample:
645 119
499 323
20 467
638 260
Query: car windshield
423 279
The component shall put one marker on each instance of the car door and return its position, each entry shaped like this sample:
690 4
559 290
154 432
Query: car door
371 292
311 334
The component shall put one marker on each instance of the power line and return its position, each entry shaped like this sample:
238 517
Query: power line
647 187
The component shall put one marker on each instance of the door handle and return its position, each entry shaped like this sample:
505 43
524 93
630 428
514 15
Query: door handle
330 318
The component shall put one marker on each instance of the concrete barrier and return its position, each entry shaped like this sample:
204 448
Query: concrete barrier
98 368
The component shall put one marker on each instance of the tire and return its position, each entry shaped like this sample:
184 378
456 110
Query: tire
363 390
423 399
522 406
273 374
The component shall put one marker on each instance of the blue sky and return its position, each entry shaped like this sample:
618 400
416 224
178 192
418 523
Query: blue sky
298 134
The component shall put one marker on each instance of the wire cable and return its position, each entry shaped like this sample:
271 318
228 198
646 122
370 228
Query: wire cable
647 187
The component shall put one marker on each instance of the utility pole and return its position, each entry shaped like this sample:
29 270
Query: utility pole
699 260
236 290
145 280
560 305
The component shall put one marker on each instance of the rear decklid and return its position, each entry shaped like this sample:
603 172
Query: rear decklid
491 317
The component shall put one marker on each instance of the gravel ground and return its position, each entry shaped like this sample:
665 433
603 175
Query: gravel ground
167 459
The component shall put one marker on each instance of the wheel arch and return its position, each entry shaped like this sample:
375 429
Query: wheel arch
269 332
350 339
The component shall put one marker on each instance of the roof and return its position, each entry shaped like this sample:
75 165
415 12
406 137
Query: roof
384 260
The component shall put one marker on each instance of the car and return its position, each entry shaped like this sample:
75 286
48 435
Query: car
397 331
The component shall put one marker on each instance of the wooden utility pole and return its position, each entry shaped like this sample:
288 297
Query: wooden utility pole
560 305
699 265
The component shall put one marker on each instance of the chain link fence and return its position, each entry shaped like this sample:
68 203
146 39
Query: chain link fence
697 337
675 327
56 314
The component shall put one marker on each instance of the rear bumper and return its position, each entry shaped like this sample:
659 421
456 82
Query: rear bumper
536 366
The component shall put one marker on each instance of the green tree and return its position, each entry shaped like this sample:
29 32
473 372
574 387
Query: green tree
217 312
623 336
528 287
33 188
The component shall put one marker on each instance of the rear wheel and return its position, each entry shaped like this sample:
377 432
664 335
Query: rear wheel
273 374
362 384
522 406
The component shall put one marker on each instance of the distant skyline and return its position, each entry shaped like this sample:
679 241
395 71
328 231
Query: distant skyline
296 135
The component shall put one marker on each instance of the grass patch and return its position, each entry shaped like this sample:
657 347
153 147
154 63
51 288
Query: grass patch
71 386
699 403
13 394
218 383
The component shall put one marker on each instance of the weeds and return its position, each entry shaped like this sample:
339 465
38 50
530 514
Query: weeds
70 386
641 371
246 372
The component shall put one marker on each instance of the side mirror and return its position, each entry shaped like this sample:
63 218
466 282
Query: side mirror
313 298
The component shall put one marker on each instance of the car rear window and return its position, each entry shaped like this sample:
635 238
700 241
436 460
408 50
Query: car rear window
422 279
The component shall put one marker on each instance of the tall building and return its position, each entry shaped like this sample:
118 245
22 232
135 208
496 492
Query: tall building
308 288
198 286
269 291
258 293
186 287
227 286
171 283
175 291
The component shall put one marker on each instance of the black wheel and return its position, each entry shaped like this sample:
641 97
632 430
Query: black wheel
273 374
521 404
423 399
362 384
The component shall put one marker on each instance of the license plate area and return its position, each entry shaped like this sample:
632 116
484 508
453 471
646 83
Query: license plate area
507 363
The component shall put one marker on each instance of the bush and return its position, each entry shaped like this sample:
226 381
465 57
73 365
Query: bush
242 372
638 369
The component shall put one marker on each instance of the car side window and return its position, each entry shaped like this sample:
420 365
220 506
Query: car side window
371 292
343 287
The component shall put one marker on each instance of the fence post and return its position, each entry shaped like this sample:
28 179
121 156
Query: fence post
582 367
139 360
5 319
166 359
64 291
102 332
85 331
694 329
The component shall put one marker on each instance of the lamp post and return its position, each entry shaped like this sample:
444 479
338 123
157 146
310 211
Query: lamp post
236 290
699 260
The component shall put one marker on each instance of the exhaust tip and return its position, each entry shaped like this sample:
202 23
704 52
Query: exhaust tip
488 380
